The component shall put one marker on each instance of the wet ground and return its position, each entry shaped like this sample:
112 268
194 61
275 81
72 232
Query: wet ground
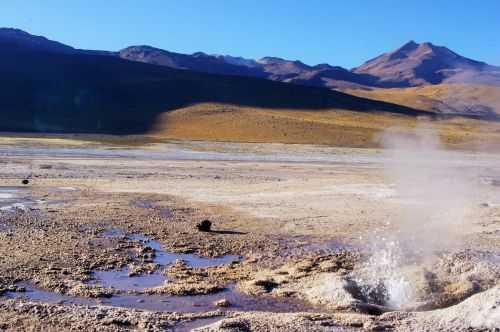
184 304
12 198
113 230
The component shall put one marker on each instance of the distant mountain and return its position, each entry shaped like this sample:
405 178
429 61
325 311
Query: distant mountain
199 61
421 64
272 68
46 86
410 65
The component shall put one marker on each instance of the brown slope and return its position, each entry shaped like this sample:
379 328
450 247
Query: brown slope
468 99
220 122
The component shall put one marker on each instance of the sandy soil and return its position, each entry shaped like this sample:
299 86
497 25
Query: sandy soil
302 217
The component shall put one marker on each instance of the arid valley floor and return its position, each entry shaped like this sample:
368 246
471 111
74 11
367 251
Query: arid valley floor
104 238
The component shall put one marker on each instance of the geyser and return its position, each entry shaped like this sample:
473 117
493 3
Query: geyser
435 194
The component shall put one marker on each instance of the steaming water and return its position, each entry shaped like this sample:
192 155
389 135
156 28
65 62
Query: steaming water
382 281
437 195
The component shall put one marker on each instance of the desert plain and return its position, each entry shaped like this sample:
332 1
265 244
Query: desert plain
103 236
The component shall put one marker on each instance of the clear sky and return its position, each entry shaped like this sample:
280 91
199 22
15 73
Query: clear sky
344 33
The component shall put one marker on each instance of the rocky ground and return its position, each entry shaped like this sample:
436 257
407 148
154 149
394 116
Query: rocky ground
301 218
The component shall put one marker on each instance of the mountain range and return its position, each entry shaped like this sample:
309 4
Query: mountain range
410 65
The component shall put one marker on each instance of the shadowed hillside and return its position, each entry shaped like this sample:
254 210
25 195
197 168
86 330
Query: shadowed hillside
54 92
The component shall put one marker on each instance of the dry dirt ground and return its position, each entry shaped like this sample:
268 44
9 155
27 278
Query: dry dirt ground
301 218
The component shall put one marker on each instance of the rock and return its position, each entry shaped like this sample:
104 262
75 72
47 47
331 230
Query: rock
480 312
327 289
194 287
224 303
25 181
204 226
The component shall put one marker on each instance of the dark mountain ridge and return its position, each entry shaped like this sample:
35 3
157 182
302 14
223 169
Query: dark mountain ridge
412 64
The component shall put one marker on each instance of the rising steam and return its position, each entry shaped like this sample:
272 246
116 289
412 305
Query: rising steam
436 193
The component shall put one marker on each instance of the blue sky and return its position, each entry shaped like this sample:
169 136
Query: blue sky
344 33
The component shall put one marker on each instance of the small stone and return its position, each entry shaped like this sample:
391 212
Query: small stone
223 303
204 226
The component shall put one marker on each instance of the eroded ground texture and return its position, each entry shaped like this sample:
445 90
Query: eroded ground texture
105 238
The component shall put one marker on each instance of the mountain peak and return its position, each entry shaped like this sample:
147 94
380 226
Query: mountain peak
417 64
411 45
270 59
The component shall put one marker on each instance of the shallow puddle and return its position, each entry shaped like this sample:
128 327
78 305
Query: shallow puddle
21 197
165 303
12 198
64 189
163 257
120 279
